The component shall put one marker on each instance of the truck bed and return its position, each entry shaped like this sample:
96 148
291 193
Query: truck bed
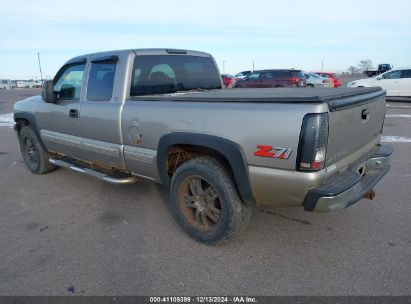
337 98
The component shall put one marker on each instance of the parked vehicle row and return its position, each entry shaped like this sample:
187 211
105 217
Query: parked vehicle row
282 78
29 84
11 84
273 79
396 82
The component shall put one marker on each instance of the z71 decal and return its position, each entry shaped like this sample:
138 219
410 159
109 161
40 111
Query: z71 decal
269 151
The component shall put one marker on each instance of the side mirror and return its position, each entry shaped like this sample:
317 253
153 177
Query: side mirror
48 93
379 77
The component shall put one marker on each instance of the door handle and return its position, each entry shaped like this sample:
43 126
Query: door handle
73 113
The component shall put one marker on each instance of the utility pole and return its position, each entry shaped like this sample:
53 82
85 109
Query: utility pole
223 66
41 74
253 67
322 65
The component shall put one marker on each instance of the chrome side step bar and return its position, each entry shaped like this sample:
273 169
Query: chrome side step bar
94 173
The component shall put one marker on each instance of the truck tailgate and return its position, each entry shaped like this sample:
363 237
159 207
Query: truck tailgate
354 124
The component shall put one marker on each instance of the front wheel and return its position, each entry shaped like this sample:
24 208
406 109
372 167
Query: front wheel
206 203
34 154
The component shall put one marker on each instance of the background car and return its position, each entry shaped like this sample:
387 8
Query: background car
382 68
228 80
243 74
315 80
396 82
273 78
5 84
333 76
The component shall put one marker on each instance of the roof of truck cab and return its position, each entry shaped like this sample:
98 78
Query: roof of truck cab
332 96
151 51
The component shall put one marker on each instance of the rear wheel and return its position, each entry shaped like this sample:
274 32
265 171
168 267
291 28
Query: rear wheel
278 86
206 203
310 85
34 154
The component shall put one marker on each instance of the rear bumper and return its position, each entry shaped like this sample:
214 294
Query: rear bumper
348 187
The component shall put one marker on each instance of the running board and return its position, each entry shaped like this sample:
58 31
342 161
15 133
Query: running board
94 173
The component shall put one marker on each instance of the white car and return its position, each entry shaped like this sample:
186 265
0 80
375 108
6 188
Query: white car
317 81
396 82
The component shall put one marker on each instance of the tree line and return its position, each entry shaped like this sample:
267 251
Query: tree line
362 66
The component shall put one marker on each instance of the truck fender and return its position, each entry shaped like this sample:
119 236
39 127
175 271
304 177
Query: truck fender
229 149
32 121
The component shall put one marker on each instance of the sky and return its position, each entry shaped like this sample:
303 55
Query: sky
272 34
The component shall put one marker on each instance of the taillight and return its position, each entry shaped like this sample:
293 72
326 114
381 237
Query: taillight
312 147
325 81
294 80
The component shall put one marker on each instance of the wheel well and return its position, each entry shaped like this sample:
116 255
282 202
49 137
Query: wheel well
20 123
178 154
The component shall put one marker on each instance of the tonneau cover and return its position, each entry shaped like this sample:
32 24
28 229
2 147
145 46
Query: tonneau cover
337 98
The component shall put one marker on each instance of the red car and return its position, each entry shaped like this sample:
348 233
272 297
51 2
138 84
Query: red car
228 80
333 76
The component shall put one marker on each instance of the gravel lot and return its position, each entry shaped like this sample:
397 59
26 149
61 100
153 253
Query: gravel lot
65 233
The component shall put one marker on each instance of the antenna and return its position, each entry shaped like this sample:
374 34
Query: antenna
41 74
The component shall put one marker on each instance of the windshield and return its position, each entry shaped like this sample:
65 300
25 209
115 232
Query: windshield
162 74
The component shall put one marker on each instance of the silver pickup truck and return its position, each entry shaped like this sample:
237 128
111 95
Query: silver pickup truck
162 115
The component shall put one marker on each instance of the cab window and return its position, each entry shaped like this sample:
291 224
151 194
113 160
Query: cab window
163 74
101 81
70 82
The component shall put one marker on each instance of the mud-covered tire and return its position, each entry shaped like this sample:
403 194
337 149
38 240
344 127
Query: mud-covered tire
34 154
219 193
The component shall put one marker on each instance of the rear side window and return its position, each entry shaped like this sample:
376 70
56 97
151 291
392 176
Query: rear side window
162 74
101 80
406 74
267 75
280 74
